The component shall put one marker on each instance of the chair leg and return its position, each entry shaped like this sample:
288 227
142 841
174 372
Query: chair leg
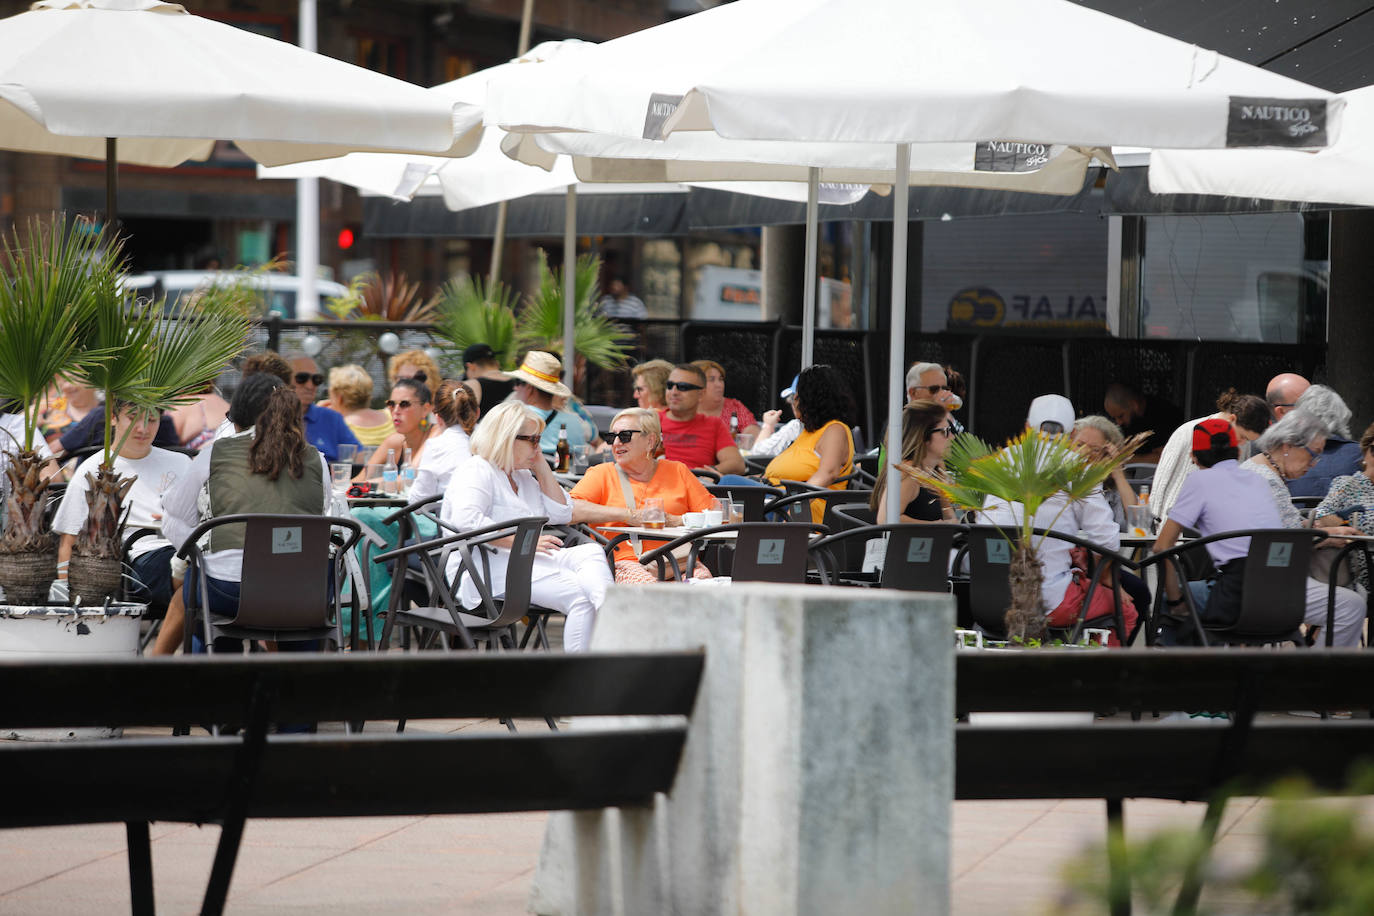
1191 889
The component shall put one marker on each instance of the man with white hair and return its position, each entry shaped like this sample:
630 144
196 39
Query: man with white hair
927 381
1342 455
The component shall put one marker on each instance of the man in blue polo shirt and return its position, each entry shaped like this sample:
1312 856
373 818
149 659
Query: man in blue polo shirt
324 428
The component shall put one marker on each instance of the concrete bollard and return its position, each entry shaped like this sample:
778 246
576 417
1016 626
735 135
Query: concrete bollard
818 773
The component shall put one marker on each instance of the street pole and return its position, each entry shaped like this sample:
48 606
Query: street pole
307 201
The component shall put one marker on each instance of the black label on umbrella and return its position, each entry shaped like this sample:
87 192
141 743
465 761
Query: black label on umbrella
1009 156
661 108
1276 122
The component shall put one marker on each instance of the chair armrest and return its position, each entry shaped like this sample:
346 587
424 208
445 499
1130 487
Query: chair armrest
410 509
352 525
475 537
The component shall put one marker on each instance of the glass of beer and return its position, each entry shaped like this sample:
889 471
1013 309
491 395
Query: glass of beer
652 514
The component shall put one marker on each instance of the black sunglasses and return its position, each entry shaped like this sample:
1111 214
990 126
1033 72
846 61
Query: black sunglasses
625 435
682 386
303 377
935 389
404 405
532 439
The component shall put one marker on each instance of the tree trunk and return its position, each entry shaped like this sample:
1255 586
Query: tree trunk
102 535
1025 618
26 528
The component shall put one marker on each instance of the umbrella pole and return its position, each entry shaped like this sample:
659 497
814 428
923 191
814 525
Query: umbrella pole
498 238
569 284
896 354
813 215
111 182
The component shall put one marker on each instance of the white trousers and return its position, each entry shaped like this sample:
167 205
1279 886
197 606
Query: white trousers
572 580
1349 616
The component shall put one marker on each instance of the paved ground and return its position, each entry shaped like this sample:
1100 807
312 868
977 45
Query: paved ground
1006 860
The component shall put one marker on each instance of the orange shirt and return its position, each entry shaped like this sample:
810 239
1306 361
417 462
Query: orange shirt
673 482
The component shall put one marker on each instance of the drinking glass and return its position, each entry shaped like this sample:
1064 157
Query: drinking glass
340 473
744 441
719 512
348 452
579 459
736 513
1138 521
652 513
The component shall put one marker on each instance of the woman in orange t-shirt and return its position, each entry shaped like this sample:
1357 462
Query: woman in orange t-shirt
636 436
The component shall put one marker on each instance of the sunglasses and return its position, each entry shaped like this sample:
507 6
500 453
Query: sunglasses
946 430
935 389
303 378
624 436
419 376
682 386
404 405
532 439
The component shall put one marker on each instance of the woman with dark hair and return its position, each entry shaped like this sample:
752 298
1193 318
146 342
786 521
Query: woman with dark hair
824 451
925 437
267 466
457 408
409 405
1248 415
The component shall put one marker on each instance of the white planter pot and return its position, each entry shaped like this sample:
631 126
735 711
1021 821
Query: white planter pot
67 632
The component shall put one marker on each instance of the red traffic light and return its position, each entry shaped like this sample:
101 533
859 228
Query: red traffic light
345 238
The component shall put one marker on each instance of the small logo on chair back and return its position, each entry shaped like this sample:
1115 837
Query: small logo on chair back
1280 555
286 540
918 551
770 552
999 552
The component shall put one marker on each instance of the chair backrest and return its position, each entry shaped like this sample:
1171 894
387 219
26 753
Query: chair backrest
524 547
752 498
989 562
771 552
845 518
917 557
287 564
796 505
1274 593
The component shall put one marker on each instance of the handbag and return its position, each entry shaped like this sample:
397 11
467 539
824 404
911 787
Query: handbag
682 553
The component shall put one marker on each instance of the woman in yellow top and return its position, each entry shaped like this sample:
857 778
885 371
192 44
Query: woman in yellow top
599 497
350 393
824 451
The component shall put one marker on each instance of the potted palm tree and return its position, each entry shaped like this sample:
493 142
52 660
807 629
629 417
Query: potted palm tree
148 364
54 274
596 338
467 311
1028 470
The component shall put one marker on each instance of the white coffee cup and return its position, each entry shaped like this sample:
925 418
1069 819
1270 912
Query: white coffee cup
711 517
693 520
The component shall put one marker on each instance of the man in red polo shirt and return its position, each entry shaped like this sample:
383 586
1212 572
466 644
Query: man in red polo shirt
696 440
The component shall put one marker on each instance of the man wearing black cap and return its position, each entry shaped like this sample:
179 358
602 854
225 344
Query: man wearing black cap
485 379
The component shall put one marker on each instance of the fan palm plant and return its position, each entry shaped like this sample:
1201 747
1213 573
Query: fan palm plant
149 364
1027 472
540 324
469 312
55 272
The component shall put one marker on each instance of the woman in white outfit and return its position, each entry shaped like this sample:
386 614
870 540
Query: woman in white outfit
457 407
508 478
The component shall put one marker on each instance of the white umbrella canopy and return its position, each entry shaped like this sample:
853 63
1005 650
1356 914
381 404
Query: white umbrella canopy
1343 173
909 72
903 71
168 84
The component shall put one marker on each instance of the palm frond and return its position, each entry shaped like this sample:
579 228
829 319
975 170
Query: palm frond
56 275
596 337
468 312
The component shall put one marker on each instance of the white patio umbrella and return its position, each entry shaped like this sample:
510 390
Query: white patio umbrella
904 72
144 81
1343 173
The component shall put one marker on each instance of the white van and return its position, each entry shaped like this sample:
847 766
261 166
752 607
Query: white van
278 290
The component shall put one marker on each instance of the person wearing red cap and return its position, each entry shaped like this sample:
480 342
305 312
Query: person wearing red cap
1222 496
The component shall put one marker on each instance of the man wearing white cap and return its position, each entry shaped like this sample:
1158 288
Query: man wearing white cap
771 443
537 384
1091 519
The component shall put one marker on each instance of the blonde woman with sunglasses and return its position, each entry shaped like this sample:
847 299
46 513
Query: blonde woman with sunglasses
507 478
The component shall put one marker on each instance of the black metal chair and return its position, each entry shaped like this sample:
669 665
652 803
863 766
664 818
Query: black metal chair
291 583
752 498
796 505
762 551
1273 597
989 552
442 617
916 558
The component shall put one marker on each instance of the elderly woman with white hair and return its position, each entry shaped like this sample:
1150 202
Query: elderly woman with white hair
507 478
1341 456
